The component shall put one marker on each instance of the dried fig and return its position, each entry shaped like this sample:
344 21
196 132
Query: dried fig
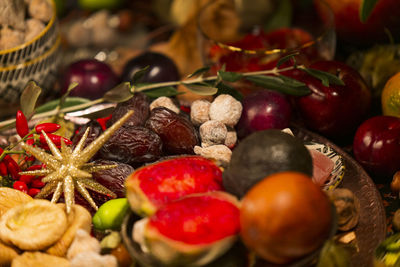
10 198
39 259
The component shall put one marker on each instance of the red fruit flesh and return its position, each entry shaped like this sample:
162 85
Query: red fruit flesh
172 179
197 220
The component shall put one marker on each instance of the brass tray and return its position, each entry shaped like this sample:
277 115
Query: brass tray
370 231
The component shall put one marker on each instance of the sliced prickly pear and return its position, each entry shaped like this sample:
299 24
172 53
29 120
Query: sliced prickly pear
191 231
156 184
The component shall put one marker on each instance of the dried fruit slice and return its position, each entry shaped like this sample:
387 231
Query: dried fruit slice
39 259
153 185
7 254
34 225
78 218
10 198
191 231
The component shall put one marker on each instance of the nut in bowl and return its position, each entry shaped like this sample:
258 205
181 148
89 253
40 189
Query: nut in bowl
34 56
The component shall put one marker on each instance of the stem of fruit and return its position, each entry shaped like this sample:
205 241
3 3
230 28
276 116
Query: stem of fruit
8 150
274 71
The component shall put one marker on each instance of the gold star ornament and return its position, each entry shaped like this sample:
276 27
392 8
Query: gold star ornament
67 169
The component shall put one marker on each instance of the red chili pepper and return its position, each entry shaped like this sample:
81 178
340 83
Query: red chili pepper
35 167
47 127
31 140
3 169
33 191
21 186
30 159
185 109
21 124
56 139
26 178
103 121
13 168
37 183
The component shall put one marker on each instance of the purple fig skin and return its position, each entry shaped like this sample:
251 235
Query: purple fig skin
262 110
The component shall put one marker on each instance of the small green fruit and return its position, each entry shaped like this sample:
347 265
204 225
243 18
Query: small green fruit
111 214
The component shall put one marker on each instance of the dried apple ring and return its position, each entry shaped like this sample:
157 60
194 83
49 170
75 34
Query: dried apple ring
34 225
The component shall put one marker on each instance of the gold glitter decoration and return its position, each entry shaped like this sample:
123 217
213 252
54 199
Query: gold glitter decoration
67 169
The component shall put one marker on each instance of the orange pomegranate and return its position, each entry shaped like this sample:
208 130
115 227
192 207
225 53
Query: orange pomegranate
285 217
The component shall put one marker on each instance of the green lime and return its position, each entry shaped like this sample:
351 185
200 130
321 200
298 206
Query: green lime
111 214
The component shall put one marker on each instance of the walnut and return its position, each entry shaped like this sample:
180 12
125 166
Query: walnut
12 13
10 38
231 138
226 109
90 258
40 9
347 208
33 28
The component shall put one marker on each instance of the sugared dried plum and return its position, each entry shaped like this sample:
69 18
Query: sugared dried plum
139 103
177 133
132 145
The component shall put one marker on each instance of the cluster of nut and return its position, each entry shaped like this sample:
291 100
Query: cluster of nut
216 121
99 29
22 20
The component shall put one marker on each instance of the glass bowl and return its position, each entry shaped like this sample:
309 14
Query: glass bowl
244 38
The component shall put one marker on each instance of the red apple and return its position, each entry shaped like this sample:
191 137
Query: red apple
376 146
335 110
347 20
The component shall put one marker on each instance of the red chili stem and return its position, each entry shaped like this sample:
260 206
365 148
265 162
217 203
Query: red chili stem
21 124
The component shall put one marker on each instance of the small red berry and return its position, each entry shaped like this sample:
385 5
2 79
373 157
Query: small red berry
37 183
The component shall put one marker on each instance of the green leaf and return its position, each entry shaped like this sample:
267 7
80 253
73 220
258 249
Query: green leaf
139 74
199 72
29 97
282 17
161 91
230 76
69 102
201 88
367 6
284 85
287 58
325 77
223 88
120 93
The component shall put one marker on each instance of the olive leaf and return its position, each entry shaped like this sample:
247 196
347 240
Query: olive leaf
29 97
325 77
162 91
69 102
139 74
201 88
223 88
229 76
287 58
282 17
367 6
281 84
199 72
120 93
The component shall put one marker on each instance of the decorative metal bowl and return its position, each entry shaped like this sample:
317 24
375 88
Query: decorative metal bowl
36 60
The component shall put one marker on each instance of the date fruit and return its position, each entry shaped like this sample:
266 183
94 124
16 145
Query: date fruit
139 103
132 145
177 133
